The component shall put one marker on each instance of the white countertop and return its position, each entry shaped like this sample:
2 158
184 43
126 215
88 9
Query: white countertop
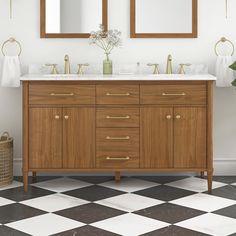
94 77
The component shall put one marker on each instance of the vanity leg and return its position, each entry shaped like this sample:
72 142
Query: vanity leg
34 176
202 174
25 180
117 176
209 180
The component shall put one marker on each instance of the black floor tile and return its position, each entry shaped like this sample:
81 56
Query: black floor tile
224 179
37 180
89 213
17 211
170 213
164 193
162 179
6 231
93 193
18 194
228 191
174 231
228 211
86 231
93 179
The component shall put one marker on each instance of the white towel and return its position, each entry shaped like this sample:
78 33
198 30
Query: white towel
224 74
11 72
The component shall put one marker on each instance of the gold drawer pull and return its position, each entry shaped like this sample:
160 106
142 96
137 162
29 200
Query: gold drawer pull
118 158
66 117
118 138
173 94
57 117
62 94
118 94
118 117
178 117
168 117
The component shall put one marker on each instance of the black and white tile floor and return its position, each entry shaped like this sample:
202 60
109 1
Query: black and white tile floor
98 206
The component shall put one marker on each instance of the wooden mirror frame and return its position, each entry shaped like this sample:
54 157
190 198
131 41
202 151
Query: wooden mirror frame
43 33
193 34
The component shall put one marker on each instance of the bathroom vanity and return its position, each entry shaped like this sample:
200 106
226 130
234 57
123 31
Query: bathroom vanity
140 123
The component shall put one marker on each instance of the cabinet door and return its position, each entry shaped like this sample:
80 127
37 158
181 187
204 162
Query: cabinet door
78 138
45 138
190 137
156 137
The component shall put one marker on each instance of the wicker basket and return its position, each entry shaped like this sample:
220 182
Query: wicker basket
6 159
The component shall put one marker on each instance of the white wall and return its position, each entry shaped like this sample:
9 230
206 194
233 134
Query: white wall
212 25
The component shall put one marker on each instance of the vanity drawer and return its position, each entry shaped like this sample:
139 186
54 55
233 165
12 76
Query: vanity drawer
117 147
173 94
117 94
61 94
117 117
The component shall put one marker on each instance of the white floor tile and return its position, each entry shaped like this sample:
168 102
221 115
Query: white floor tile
14 184
130 224
204 202
129 202
62 184
54 202
4 201
129 184
194 184
45 225
211 224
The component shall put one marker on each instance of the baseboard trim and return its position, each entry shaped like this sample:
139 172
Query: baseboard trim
222 166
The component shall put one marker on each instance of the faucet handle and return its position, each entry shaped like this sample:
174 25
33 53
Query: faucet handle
156 68
181 69
54 68
80 68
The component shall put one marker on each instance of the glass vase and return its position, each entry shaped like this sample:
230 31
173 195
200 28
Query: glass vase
107 65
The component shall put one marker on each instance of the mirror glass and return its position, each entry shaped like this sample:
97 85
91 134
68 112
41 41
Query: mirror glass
72 17
164 17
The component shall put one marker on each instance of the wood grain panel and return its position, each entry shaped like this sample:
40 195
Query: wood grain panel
117 117
61 94
173 95
117 147
117 94
79 138
45 138
156 137
190 138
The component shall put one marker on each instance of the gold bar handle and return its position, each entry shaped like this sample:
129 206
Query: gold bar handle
118 117
173 94
118 138
118 158
62 94
118 94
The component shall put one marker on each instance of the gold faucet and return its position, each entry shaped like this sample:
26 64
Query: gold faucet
156 68
67 65
169 65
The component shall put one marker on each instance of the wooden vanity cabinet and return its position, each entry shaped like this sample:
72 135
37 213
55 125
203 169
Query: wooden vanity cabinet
117 126
55 138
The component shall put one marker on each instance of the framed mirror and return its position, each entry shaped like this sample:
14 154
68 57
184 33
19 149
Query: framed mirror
72 18
163 18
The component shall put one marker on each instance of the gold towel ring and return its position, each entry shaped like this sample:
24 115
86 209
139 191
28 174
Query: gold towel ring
11 40
223 40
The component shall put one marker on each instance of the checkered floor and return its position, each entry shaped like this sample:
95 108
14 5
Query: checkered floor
98 206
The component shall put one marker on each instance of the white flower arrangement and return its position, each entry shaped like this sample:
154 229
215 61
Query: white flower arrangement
106 40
